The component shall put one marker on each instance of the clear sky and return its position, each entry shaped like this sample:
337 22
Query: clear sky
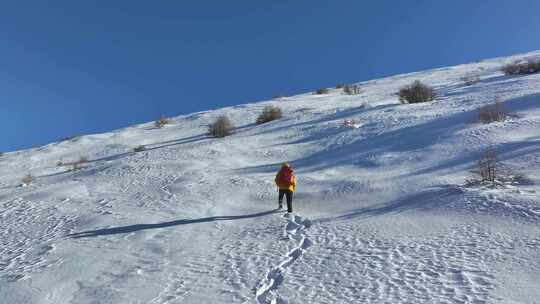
77 67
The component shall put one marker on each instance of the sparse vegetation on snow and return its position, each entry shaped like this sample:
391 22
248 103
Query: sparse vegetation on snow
351 123
222 127
27 179
269 113
522 68
416 92
139 148
495 112
322 91
77 165
162 121
470 79
351 89
490 171
488 166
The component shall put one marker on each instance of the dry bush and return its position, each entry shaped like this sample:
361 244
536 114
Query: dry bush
492 113
59 163
488 166
340 86
351 123
351 89
322 91
222 127
139 148
490 171
79 164
162 121
70 138
269 113
416 92
470 79
522 68
27 179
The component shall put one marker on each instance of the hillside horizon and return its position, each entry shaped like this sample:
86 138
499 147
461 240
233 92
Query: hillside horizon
506 59
405 193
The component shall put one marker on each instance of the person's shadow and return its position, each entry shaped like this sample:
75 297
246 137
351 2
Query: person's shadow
138 227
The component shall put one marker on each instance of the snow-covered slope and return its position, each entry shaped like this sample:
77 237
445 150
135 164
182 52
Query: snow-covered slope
381 215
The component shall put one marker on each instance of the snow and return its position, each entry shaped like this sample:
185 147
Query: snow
381 213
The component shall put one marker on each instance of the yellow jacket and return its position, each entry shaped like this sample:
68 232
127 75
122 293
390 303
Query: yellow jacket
292 186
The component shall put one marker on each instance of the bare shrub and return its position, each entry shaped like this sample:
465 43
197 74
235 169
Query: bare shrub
522 68
222 127
70 138
322 91
351 123
76 166
162 121
416 92
518 178
27 179
340 86
59 163
492 113
79 164
269 113
490 171
139 148
470 79
487 166
351 89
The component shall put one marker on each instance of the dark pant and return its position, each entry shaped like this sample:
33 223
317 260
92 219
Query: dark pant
288 194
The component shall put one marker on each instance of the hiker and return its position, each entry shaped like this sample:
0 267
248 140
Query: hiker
286 182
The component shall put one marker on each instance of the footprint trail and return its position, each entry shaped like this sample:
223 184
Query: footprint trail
267 289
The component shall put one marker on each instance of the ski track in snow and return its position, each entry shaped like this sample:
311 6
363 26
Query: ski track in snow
267 289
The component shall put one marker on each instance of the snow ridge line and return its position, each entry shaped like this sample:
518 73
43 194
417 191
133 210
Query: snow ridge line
266 291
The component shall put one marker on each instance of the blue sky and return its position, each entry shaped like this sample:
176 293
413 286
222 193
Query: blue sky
79 67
